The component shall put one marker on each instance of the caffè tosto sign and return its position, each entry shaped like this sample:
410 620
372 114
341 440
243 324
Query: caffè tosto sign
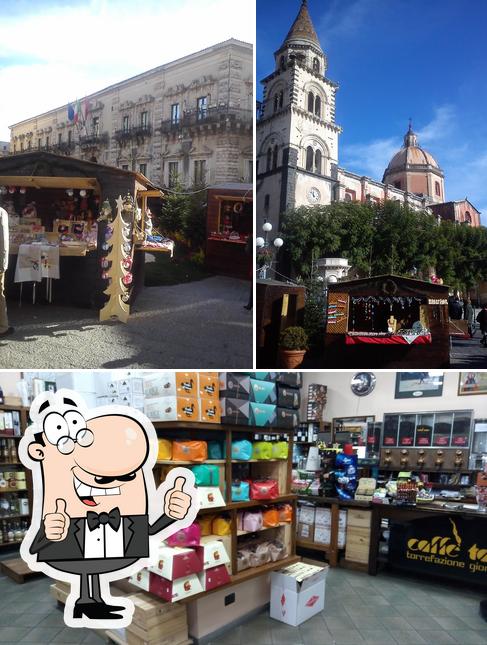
447 546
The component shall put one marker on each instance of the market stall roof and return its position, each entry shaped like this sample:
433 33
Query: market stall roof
405 282
41 169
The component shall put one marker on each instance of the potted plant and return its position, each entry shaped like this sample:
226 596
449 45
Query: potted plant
293 344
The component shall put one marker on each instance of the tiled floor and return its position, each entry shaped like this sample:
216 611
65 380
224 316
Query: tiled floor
385 610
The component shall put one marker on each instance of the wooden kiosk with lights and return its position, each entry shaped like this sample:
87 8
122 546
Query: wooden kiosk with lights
229 224
57 200
387 321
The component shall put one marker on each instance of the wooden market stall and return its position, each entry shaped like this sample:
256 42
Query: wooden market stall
387 321
57 201
229 225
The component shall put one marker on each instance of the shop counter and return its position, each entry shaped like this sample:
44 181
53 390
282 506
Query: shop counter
431 539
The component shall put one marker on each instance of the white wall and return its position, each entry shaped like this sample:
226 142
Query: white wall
343 403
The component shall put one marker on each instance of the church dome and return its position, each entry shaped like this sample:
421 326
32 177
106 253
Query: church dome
411 154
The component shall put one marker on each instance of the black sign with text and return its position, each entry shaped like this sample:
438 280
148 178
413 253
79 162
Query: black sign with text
450 546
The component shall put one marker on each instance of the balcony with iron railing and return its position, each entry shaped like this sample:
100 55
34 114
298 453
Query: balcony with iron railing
217 115
93 139
133 132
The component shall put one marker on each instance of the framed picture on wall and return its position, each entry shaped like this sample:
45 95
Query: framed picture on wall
472 383
412 385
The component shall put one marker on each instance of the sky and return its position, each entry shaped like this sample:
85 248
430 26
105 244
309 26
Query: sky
396 59
54 51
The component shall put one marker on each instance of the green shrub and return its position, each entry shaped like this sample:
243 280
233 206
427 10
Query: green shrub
293 338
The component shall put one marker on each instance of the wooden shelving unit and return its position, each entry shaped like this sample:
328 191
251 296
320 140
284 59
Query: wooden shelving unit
16 568
279 469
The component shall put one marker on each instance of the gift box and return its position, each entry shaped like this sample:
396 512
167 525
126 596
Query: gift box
291 379
262 415
214 577
287 418
234 385
264 376
288 397
174 590
188 408
235 411
176 562
262 391
131 385
210 411
164 408
160 384
141 579
208 385
187 384
212 554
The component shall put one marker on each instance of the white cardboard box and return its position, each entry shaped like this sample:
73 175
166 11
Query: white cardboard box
322 534
297 593
210 497
176 562
160 384
161 408
323 517
307 514
141 579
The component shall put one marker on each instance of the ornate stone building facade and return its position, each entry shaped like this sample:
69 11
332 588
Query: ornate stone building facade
190 119
297 141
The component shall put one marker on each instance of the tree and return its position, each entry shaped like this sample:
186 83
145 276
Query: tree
175 210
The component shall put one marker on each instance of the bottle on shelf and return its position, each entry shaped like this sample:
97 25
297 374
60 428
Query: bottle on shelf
13 452
4 456
10 533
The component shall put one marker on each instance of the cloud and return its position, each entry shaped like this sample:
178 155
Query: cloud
371 158
53 54
440 127
343 20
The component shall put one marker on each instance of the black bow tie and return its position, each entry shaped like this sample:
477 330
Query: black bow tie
113 518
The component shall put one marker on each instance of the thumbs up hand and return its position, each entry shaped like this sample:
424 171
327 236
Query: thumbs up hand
176 501
56 524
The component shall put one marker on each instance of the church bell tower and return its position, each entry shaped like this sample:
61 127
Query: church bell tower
297 137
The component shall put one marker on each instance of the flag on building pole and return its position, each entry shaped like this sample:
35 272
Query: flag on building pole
71 112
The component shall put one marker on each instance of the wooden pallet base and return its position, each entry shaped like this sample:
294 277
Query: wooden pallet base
17 570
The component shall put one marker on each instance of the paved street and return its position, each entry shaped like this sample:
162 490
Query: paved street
201 325
469 354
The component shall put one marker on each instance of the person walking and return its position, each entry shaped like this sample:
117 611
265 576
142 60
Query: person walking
468 316
5 330
482 320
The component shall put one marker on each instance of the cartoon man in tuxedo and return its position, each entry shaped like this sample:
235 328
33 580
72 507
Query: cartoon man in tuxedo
96 509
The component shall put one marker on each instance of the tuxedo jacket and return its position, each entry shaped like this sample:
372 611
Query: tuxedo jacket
136 532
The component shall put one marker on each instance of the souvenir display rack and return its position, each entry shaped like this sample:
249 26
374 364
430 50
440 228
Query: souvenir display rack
408 318
279 469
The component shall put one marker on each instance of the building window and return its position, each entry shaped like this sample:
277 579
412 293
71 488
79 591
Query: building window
175 113
173 173
318 106
21 146
15 148
144 120
39 144
318 162
347 197
437 188
311 102
275 153
201 107
269 159
281 98
200 171
267 200
468 218
316 65
282 62
125 167
47 143
29 146
143 169
95 126
70 136
276 102
250 170
309 158
125 123
397 184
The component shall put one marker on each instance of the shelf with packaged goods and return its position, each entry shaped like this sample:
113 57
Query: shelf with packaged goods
171 462
241 533
218 427
251 503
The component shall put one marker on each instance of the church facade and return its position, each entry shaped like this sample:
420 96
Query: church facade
298 138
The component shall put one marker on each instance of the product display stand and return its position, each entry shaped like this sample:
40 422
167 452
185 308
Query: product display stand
278 469
117 264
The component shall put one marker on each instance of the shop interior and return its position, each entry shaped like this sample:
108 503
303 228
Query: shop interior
333 507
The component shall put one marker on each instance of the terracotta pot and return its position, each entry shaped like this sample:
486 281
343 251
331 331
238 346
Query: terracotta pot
291 358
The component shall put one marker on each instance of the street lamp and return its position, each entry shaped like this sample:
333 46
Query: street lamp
267 252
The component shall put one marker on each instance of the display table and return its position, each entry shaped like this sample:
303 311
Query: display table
429 539
389 339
